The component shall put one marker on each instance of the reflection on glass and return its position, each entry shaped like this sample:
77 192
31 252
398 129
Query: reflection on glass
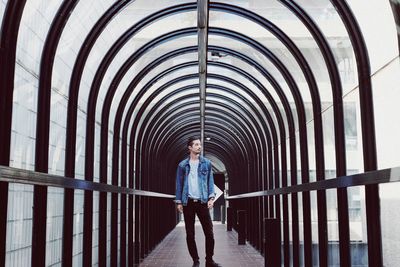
54 225
19 225
390 203
77 247
333 228
358 227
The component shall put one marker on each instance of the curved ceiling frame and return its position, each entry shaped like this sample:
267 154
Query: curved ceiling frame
220 33
217 149
162 111
284 159
369 139
214 133
8 43
151 112
243 120
224 106
180 145
104 131
167 111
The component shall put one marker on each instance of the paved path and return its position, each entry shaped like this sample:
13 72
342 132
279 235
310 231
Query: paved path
173 252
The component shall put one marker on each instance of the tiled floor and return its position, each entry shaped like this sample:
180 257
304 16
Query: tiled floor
173 252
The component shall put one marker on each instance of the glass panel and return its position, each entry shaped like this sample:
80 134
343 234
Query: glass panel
108 228
259 58
301 228
3 4
385 48
314 228
35 23
77 250
329 142
19 225
58 126
23 120
358 226
352 126
160 68
54 231
386 106
390 200
328 20
298 33
333 228
95 244
290 229
144 61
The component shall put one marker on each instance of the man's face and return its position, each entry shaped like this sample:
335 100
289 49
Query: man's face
196 147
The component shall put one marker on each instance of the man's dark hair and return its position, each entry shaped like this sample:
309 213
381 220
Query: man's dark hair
191 139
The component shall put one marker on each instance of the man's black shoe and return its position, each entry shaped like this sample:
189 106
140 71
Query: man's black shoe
212 264
196 263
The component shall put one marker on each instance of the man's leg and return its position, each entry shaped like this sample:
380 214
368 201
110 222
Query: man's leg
189 216
204 216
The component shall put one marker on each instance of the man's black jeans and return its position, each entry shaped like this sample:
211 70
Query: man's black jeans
203 214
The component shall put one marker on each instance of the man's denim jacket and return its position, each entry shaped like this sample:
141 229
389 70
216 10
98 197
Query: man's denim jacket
206 181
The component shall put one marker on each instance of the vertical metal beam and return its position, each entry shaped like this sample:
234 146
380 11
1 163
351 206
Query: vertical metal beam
42 142
202 32
8 45
372 200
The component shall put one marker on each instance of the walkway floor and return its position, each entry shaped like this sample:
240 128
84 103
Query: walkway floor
173 252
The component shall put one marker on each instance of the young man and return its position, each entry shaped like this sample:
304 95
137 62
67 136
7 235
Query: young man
195 195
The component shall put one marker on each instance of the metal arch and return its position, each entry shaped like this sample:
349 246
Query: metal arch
89 152
340 150
42 146
303 143
292 144
277 182
171 136
283 161
144 105
158 91
8 41
214 134
368 138
184 112
179 153
232 159
171 81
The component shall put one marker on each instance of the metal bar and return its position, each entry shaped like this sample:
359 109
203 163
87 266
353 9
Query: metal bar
14 175
368 130
202 32
42 140
369 178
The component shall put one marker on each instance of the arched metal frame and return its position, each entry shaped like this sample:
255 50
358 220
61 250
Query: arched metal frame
8 43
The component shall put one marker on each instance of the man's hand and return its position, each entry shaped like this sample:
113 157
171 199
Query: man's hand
210 203
179 207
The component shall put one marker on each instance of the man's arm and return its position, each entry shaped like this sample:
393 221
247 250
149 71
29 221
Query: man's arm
211 192
179 186
178 190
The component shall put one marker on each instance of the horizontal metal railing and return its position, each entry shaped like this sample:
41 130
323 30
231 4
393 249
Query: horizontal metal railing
14 175
368 178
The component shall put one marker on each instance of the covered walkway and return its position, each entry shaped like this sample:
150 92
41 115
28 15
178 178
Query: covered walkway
297 104
172 251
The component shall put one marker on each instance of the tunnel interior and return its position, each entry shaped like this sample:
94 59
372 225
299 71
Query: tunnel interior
296 103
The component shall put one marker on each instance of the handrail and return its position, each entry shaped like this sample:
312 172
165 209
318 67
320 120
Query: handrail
373 177
15 175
